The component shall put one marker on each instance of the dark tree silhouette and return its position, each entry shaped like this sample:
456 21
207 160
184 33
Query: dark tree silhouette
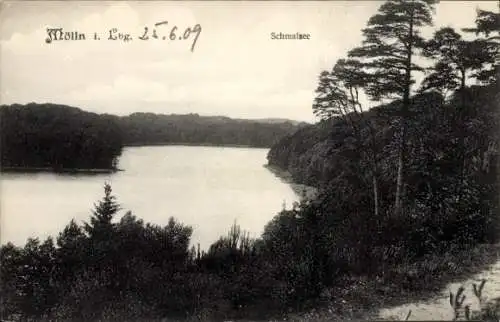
388 53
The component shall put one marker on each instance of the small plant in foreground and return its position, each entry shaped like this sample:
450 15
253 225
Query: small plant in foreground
456 302
488 310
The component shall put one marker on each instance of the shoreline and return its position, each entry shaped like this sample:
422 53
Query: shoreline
53 170
304 191
195 144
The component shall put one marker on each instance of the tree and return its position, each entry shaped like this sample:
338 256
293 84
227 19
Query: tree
100 222
70 252
102 243
36 278
11 258
488 25
338 96
456 61
388 50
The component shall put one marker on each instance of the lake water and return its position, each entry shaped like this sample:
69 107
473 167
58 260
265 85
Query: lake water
208 188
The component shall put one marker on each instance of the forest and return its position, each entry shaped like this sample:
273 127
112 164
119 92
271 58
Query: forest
408 200
151 129
57 137
65 138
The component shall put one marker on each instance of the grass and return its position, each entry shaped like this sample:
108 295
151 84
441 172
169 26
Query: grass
361 297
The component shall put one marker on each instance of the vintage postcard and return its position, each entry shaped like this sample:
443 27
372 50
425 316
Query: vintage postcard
249 160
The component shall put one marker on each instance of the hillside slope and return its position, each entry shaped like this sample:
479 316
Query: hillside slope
316 154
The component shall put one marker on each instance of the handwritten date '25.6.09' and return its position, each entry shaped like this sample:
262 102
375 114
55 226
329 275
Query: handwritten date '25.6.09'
173 34
160 32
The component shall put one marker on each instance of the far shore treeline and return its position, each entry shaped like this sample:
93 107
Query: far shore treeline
59 137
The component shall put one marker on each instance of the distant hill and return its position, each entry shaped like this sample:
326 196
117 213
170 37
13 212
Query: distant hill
276 121
60 137
149 128
57 137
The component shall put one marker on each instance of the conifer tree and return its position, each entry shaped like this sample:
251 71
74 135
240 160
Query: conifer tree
391 39
102 244
488 25
457 61
100 225
338 96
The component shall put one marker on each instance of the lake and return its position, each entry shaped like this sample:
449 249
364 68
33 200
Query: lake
208 188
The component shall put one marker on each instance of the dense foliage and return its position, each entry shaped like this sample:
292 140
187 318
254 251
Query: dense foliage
57 137
150 129
437 150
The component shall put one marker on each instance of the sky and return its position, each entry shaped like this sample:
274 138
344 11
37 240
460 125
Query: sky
235 68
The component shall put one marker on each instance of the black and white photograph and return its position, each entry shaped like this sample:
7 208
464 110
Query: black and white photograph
249 160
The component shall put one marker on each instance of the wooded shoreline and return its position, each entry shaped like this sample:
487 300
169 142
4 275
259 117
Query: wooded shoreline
54 170
194 144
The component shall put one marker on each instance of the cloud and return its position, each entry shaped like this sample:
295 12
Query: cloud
235 69
125 88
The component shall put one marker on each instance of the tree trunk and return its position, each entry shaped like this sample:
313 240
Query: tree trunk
374 152
375 195
460 125
398 204
374 160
